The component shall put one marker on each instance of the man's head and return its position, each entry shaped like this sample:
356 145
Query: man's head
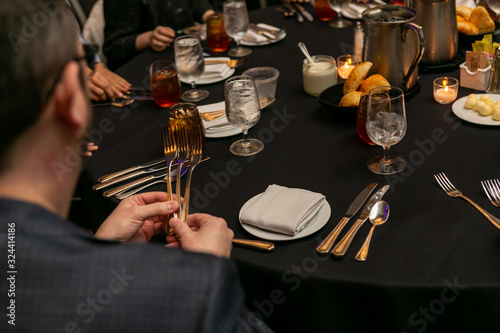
38 40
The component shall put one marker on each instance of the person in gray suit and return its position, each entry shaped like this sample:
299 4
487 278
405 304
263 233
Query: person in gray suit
57 277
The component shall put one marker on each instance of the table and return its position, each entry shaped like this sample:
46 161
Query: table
433 267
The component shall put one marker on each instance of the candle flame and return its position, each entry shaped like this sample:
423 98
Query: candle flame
445 88
346 65
349 61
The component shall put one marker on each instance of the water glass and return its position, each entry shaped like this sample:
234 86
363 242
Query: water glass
217 38
339 22
164 83
266 80
242 111
386 126
190 65
237 23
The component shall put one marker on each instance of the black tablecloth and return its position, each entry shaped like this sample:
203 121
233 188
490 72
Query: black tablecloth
434 266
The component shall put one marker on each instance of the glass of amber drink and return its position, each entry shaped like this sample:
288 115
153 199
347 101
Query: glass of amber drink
217 38
186 115
361 119
164 82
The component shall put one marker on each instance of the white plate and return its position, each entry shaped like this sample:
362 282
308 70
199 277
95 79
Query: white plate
223 134
473 116
205 80
317 222
266 42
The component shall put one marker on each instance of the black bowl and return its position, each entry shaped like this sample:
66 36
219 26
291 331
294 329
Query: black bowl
330 99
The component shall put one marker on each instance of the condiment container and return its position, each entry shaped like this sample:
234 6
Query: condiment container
319 75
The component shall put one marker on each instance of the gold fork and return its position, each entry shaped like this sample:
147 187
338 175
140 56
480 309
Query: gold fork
170 152
195 147
452 191
181 141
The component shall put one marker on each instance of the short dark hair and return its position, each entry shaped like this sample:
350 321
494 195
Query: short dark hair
37 39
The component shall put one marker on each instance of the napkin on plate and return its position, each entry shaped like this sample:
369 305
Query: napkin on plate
218 125
253 37
216 71
283 210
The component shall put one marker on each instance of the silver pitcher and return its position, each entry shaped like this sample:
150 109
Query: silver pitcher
395 54
438 18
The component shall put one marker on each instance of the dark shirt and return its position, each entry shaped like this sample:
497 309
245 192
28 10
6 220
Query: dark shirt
66 281
126 19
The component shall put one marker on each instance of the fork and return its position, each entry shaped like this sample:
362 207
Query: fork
170 152
181 140
452 191
492 189
196 147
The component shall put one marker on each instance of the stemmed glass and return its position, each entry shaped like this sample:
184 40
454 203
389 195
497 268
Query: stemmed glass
386 126
190 65
243 111
339 21
236 23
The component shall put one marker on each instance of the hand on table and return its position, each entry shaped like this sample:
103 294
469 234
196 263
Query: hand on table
104 84
161 37
138 218
206 233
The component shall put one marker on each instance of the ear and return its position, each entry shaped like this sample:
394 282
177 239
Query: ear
66 97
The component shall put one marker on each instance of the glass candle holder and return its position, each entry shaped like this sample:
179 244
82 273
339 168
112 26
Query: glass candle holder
445 90
345 65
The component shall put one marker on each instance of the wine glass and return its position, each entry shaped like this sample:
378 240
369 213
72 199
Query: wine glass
190 65
339 21
494 6
236 23
386 126
243 111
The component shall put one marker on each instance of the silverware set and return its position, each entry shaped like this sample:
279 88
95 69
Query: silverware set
371 210
491 188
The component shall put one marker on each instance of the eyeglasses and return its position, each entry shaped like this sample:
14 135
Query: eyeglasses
79 60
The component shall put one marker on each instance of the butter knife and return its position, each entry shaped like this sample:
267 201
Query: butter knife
304 12
341 248
132 169
292 10
326 245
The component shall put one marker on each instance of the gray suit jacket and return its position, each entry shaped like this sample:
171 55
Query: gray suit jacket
65 280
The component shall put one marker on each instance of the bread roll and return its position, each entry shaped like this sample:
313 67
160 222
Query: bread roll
464 11
460 18
467 28
482 20
373 81
357 75
351 99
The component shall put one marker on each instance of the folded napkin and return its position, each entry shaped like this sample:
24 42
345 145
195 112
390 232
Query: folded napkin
253 37
282 209
218 125
214 71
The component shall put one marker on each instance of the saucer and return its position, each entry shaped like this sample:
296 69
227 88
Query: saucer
315 224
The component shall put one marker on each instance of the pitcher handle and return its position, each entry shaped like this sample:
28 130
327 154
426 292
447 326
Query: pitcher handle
420 50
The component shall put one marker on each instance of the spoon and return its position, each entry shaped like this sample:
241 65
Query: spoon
119 104
303 48
378 215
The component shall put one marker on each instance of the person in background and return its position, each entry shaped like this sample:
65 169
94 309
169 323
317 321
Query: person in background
135 25
64 278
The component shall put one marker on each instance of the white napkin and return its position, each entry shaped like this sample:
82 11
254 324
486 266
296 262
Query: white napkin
215 70
282 209
253 37
218 125
354 10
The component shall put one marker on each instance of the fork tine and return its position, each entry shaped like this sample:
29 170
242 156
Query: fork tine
486 189
440 182
494 188
448 182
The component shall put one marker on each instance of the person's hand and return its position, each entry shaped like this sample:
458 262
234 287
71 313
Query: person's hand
161 37
91 147
119 85
138 218
205 233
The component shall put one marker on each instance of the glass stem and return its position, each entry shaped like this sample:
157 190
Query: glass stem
193 85
386 159
245 143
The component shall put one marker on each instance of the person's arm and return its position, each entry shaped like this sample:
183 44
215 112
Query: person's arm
123 24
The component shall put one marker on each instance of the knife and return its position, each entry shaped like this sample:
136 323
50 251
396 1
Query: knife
152 169
341 248
300 19
304 12
326 246
122 188
132 169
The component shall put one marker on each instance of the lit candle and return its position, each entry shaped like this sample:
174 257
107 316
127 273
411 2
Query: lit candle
345 65
445 90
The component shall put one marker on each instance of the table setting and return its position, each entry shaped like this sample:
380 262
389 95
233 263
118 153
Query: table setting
344 236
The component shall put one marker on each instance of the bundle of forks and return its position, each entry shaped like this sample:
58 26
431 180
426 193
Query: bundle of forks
181 144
